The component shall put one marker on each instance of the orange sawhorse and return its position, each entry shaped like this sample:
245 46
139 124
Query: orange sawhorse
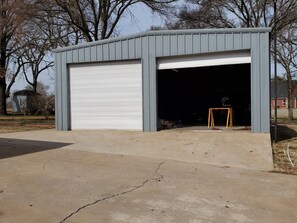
229 123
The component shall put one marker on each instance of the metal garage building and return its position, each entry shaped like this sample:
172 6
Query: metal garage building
129 82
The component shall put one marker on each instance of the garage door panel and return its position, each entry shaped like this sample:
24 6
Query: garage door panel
112 110
108 122
205 60
80 84
106 96
90 125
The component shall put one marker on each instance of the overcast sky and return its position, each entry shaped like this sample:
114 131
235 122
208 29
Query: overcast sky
141 21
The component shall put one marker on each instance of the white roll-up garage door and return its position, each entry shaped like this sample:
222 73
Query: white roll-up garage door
106 96
204 60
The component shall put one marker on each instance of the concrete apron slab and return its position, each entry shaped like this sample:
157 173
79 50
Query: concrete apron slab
235 149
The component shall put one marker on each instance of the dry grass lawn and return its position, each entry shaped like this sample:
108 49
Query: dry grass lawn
285 150
19 123
285 156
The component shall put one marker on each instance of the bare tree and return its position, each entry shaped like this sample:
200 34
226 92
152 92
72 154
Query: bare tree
14 68
52 21
33 54
44 102
199 14
92 20
41 88
247 13
287 57
238 13
13 13
34 64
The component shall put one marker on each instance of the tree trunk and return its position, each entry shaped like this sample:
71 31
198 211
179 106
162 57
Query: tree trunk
290 102
2 97
34 86
290 108
3 110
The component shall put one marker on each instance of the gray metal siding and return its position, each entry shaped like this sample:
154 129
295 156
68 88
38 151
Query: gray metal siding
146 84
152 84
189 45
150 46
265 83
57 119
65 94
255 84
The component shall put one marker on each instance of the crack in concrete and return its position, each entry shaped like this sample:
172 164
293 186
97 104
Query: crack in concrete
161 177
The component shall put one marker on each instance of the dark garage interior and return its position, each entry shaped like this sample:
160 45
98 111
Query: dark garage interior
185 95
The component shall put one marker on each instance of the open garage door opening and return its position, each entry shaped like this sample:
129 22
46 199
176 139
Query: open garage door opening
186 94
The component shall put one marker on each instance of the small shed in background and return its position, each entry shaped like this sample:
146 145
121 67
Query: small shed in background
25 101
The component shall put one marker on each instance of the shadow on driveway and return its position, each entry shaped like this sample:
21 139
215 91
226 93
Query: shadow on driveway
18 147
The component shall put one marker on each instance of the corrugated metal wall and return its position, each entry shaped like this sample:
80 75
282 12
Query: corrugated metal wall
151 45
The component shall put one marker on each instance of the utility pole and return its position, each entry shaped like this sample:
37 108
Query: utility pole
275 76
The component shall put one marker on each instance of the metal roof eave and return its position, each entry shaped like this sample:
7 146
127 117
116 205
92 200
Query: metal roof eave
165 32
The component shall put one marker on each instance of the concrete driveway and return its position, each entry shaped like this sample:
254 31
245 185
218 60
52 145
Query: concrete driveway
47 181
224 148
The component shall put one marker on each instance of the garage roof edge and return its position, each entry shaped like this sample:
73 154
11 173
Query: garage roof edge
164 32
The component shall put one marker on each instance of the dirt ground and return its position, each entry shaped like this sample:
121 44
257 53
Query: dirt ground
285 156
285 150
19 123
